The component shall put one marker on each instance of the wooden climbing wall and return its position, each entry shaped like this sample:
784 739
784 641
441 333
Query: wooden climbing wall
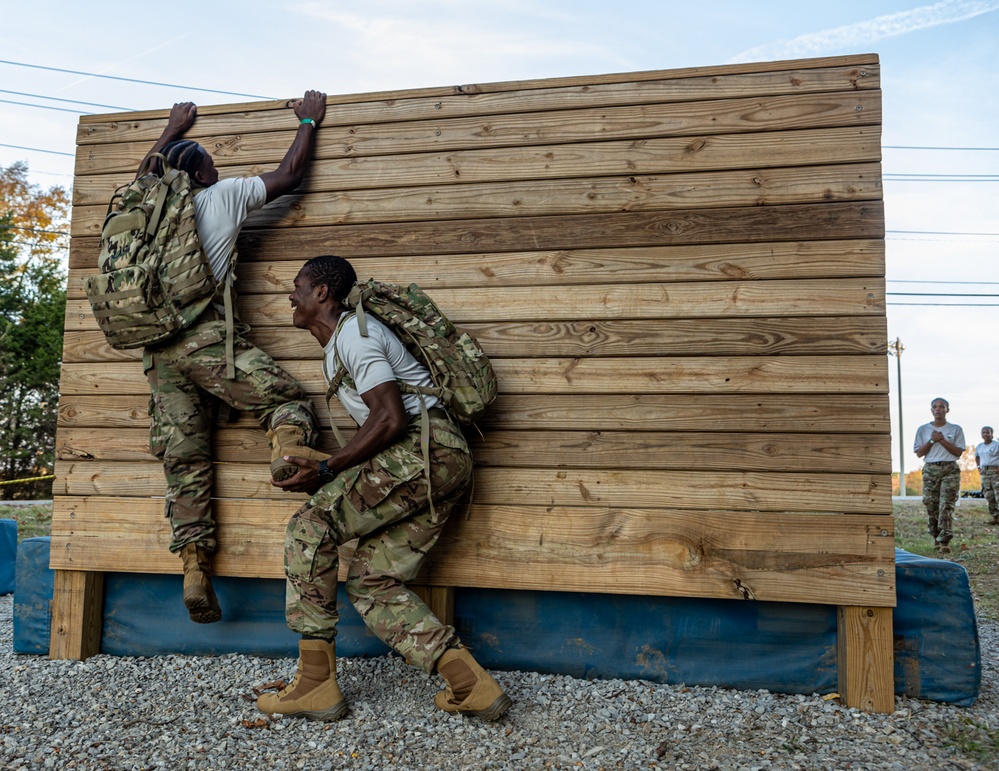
679 276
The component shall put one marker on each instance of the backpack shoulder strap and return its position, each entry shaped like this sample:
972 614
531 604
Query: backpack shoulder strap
333 381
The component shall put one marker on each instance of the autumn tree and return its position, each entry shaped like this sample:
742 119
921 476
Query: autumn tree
33 252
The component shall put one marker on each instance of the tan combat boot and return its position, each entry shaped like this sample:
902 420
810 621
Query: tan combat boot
199 597
287 439
314 692
470 689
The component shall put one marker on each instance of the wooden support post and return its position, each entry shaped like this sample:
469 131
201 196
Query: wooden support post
440 600
77 614
866 658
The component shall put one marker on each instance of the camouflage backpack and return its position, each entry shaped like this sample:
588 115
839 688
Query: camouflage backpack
463 378
154 279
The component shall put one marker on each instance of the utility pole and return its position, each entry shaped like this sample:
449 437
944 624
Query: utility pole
895 349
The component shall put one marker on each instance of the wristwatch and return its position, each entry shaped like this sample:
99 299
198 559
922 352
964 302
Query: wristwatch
325 475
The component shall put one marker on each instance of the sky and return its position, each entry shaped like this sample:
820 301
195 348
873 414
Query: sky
939 75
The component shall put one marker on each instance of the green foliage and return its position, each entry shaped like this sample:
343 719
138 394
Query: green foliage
32 310
973 738
32 519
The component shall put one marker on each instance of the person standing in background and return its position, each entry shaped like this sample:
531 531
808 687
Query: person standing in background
940 444
987 460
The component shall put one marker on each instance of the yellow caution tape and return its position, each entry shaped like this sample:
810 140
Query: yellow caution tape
29 479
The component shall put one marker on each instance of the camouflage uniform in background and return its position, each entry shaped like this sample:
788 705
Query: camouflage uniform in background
941 485
990 484
384 502
187 380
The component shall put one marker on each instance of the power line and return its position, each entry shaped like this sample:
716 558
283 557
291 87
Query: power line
915 147
936 294
940 177
942 305
132 80
932 281
38 150
940 233
60 99
45 107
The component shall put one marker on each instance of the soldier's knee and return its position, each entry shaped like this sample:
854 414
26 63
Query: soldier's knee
364 587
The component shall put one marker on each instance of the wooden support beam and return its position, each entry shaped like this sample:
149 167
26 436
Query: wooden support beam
77 614
865 656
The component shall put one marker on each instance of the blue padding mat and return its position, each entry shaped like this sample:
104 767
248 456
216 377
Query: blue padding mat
32 596
144 615
8 554
787 647
937 654
784 647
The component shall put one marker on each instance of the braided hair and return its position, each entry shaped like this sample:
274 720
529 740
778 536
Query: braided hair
184 154
335 272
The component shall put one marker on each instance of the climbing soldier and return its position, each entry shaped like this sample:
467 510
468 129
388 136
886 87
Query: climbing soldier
376 488
195 370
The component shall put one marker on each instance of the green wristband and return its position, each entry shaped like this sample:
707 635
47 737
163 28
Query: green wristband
309 120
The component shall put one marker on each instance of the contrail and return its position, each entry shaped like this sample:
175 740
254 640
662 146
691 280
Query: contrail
852 36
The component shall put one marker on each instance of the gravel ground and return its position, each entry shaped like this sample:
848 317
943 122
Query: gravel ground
183 712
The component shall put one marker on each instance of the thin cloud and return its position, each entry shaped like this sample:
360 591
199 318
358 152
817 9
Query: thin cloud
434 47
853 36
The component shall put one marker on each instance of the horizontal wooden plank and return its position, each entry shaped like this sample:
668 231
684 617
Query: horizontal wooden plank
675 375
690 300
657 155
690 84
819 453
713 299
653 337
744 491
830 414
831 221
568 124
669 552
537 198
833 559
656 264
834 220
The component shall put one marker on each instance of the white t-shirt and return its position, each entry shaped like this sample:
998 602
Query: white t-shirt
220 211
988 454
370 361
952 433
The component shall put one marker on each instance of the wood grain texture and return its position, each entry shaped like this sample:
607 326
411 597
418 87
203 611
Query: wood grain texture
656 155
728 554
644 375
521 129
679 277
700 489
845 73
708 300
610 337
580 449
832 414
742 225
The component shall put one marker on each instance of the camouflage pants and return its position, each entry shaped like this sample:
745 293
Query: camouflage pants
941 484
187 381
383 502
990 483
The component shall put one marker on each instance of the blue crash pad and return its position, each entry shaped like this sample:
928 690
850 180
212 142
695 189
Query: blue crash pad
8 554
145 616
783 647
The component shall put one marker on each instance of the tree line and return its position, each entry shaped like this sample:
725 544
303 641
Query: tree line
33 258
